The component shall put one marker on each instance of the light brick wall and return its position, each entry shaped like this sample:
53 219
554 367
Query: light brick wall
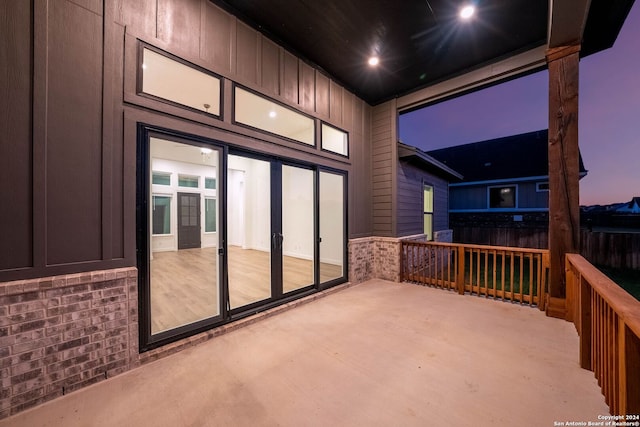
58 334
374 258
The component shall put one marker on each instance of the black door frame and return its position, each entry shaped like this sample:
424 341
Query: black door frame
147 341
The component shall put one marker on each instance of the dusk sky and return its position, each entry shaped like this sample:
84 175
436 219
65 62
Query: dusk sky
609 117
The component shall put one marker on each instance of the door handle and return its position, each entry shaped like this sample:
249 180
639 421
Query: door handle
276 240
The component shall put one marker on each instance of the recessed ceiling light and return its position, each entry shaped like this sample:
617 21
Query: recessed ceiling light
374 60
272 114
467 11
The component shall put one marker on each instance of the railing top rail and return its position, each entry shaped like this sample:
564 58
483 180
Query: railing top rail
623 303
481 247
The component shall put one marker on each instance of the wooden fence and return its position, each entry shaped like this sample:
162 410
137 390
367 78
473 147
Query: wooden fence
537 238
609 249
608 322
512 274
617 250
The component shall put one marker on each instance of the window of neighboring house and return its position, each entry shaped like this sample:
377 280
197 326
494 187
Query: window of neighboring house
161 214
188 181
210 215
427 197
542 186
502 197
161 178
210 183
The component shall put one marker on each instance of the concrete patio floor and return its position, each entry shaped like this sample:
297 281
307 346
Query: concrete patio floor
375 354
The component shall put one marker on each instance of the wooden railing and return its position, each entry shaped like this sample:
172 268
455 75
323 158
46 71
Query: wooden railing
607 319
512 274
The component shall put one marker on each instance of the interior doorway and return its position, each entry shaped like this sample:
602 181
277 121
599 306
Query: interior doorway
188 220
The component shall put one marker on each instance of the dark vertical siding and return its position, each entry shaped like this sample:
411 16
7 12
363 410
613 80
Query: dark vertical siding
74 133
270 67
179 24
471 197
290 81
322 95
529 197
247 53
68 148
410 203
15 135
215 46
335 109
307 89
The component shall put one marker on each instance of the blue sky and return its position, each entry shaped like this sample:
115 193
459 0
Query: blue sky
609 117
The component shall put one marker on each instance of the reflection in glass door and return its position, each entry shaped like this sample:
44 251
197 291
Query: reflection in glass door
297 228
184 266
248 230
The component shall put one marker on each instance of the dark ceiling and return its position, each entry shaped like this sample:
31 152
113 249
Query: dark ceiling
419 42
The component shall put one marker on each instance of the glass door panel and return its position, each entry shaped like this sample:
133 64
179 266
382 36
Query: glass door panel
297 228
331 201
184 264
248 230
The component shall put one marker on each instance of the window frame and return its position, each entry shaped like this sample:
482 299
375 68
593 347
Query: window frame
166 196
515 198
540 184
215 199
140 78
322 125
426 185
274 101
186 176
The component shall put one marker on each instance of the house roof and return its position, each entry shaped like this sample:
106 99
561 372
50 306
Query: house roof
517 156
421 42
426 162
632 207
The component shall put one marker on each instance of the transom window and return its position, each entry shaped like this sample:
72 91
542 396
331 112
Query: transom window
262 113
161 178
188 181
175 81
335 140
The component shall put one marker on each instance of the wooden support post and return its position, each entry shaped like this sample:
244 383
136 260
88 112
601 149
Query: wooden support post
460 272
584 320
564 203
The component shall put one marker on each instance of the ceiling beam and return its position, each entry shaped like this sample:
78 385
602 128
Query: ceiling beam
567 20
526 62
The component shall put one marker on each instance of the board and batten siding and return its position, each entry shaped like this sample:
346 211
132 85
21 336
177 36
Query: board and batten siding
67 157
384 168
410 200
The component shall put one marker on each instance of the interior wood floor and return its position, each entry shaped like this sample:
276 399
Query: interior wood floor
184 285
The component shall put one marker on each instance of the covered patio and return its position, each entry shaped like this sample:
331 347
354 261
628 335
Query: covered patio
377 353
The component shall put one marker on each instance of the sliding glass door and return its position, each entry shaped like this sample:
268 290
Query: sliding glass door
248 230
183 263
222 235
270 229
298 235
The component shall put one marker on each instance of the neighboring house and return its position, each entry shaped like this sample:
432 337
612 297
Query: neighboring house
633 207
505 181
423 192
